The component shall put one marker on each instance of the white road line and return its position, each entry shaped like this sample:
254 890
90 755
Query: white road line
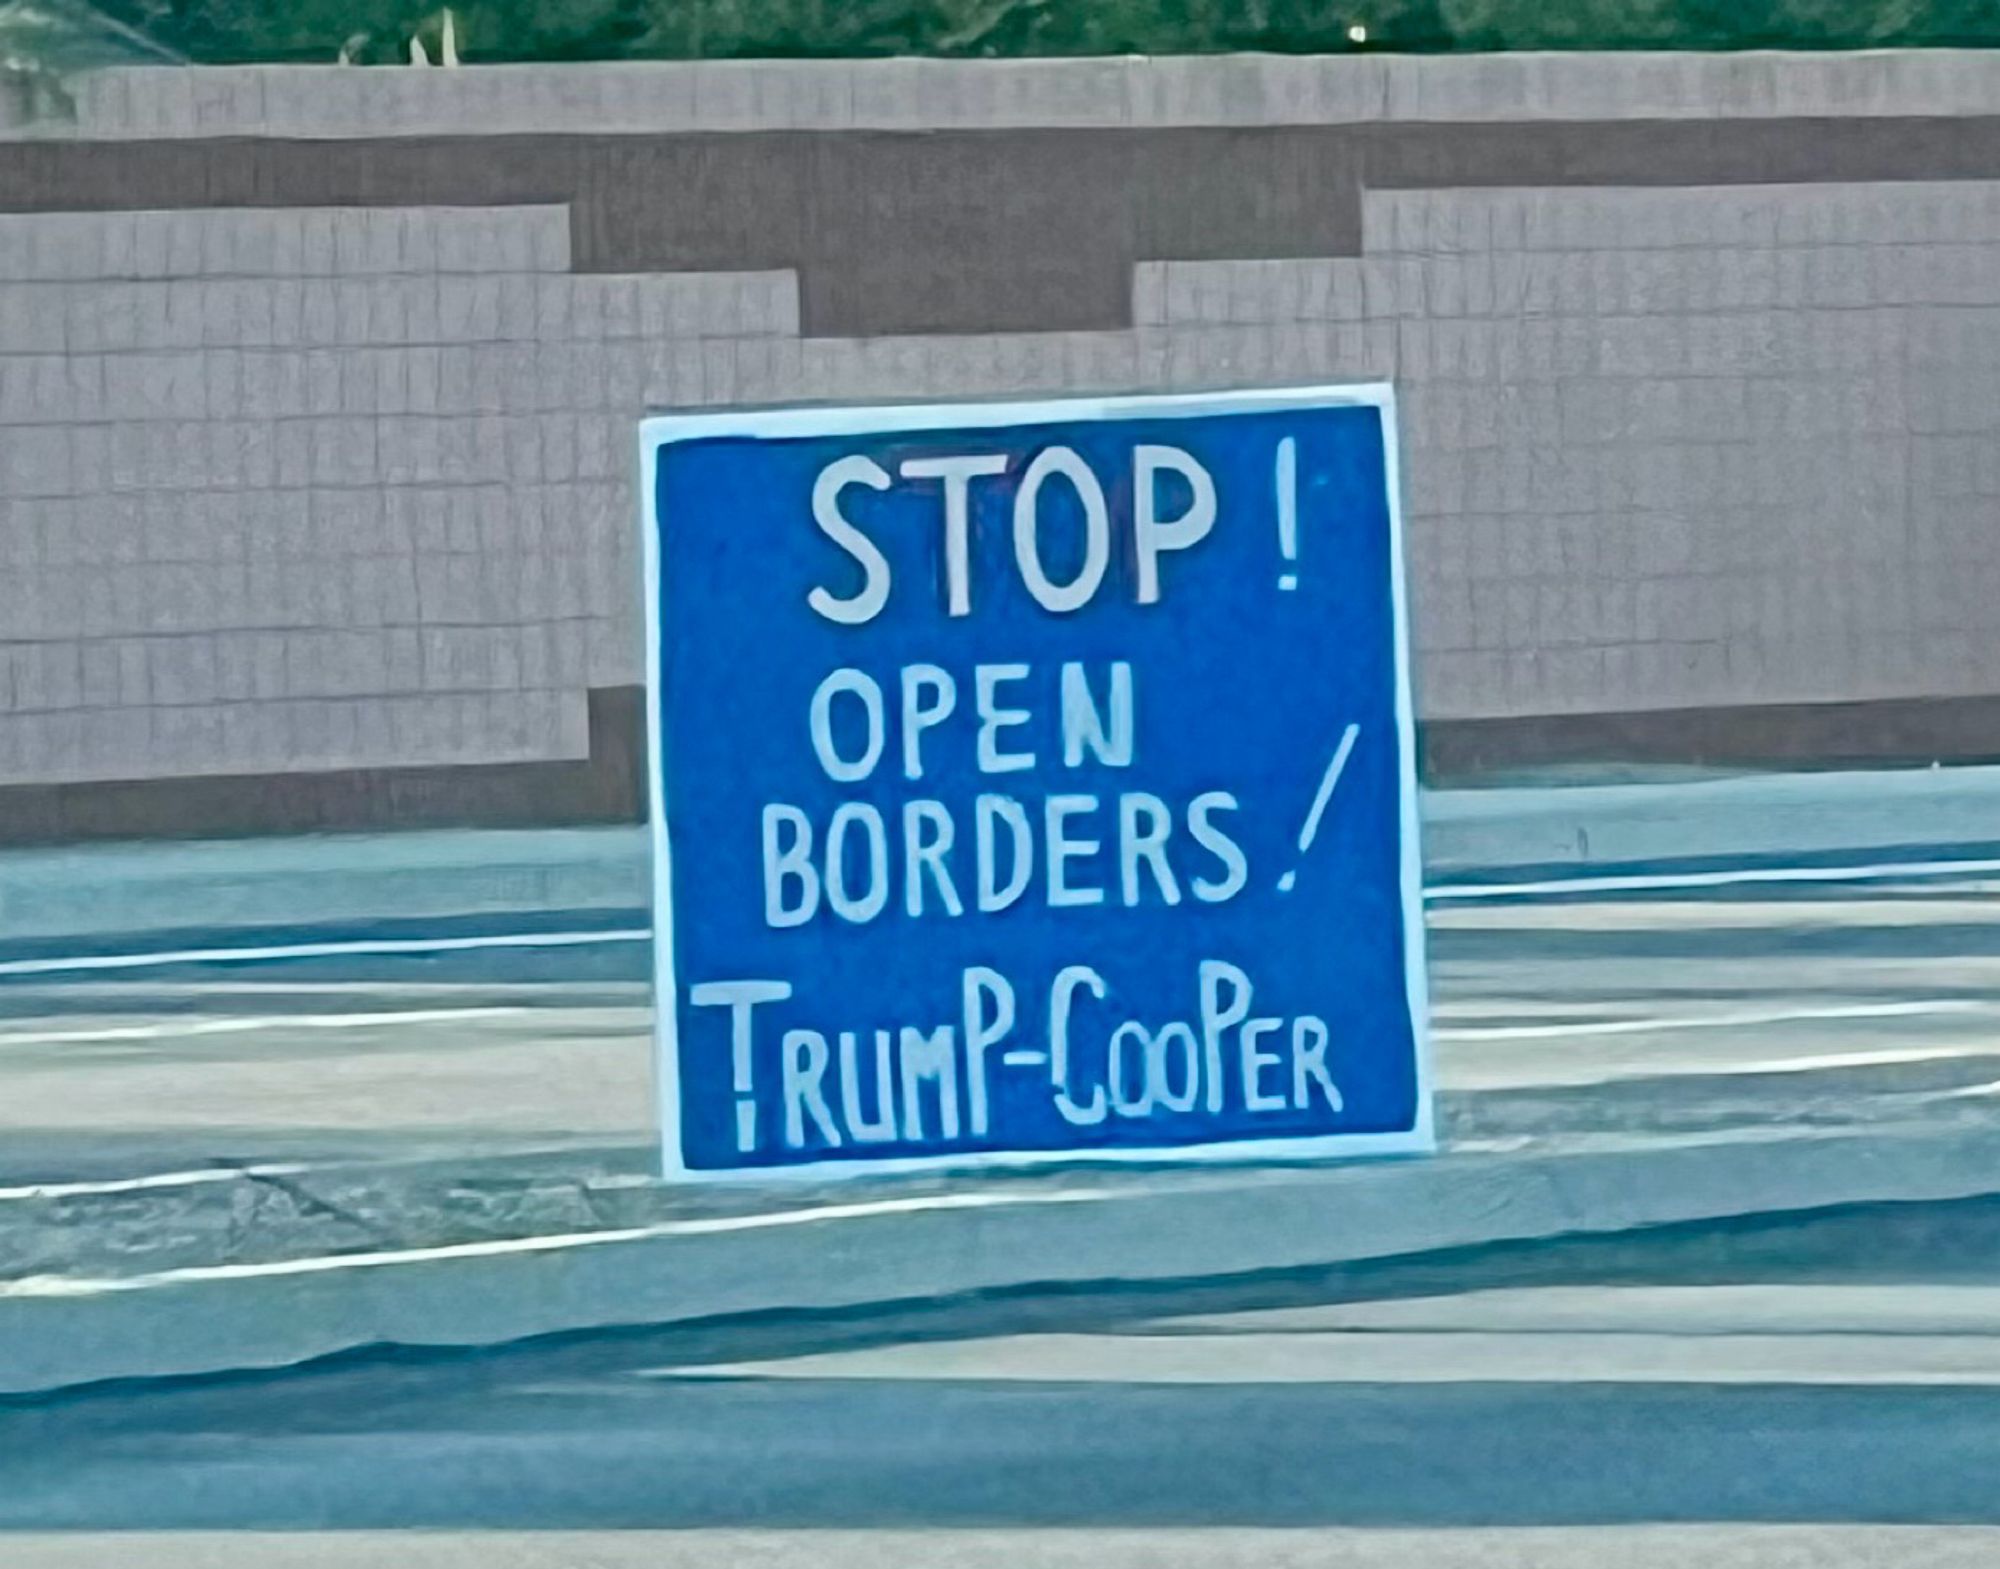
174 1029
1861 1059
1648 882
164 1179
211 987
209 1175
65 1286
1392 1357
1714 1021
1584 1075
360 947
1973 1091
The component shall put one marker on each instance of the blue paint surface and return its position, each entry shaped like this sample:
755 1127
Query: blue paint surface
1240 689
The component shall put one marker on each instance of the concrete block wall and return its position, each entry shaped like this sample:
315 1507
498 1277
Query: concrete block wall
1696 448
303 489
318 388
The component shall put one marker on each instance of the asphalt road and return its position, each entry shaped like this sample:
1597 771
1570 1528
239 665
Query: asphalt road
1776 1391
1614 1010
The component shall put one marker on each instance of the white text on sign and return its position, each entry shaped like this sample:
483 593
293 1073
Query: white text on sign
887 1082
1153 535
856 862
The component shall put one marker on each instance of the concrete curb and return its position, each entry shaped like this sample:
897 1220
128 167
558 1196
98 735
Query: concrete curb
58 1333
261 885
1582 827
258 886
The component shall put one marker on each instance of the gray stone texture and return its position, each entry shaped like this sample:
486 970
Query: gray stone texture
922 95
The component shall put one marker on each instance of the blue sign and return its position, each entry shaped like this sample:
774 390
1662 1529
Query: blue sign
1033 781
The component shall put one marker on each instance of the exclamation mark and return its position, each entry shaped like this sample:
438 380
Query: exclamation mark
1321 796
1287 480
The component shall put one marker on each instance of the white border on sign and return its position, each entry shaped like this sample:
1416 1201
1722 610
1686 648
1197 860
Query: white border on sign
658 430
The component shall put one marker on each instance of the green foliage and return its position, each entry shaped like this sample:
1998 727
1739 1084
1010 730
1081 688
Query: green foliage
1718 24
377 30
1574 24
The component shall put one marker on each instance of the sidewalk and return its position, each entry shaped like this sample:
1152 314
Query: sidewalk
882 1243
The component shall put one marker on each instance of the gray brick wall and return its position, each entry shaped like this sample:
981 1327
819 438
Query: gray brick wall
310 489
302 490
1691 448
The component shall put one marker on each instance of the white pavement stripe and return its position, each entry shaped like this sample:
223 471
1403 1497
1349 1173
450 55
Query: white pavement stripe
175 1029
1901 907
1646 882
1394 1357
1890 1058
65 1286
1716 1021
115 989
360 948
164 1179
